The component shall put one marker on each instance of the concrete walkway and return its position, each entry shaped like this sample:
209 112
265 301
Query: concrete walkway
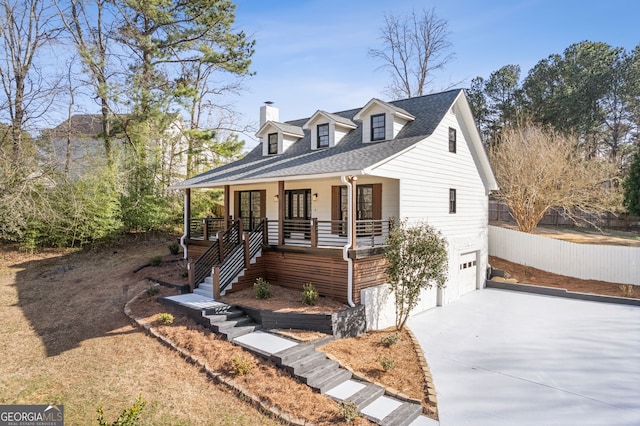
505 358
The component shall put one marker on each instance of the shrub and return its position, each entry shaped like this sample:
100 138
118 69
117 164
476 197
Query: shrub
387 363
627 290
390 340
165 318
262 289
241 365
349 410
128 417
309 294
153 290
155 261
174 248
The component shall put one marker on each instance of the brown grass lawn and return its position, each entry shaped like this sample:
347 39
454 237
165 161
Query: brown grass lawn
66 340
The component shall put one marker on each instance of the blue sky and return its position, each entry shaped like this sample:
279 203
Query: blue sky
313 54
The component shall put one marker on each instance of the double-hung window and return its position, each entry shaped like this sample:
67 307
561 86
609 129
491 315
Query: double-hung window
377 127
452 140
452 200
323 135
273 143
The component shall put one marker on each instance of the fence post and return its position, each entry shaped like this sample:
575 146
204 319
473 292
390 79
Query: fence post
247 250
265 232
220 247
314 232
216 282
205 229
190 266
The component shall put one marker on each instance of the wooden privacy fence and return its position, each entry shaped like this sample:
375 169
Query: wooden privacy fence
616 264
499 212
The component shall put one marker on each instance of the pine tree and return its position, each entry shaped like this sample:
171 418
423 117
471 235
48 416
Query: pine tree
632 187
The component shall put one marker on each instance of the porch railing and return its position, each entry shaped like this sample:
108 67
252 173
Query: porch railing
205 228
215 254
238 258
327 233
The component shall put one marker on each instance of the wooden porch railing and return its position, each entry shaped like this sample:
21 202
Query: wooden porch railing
226 243
205 228
328 233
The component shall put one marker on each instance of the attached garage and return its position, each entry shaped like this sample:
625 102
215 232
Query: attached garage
467 272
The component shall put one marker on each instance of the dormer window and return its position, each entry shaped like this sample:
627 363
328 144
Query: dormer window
273 143
381 120
377 127
327 129
323 135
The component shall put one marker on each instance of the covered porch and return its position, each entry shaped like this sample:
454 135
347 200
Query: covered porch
330 232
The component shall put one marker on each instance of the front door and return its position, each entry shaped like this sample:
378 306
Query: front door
250 209
298 211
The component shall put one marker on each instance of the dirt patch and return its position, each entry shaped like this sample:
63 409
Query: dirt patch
528 275
282 299
394 366
615 238
65 340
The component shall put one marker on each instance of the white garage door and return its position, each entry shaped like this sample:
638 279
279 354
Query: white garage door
467 272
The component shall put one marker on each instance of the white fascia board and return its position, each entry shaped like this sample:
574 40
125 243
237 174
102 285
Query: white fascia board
220 184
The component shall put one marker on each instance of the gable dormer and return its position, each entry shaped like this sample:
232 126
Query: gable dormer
327 130
277 137
381 120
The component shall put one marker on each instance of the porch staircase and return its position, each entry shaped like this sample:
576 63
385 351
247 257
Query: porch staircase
225 260
205 288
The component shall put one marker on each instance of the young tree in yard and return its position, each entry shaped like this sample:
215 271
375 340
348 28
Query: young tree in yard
417 256
538 169
414 46
632 187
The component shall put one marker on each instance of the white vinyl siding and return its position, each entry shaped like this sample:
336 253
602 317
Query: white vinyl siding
426 174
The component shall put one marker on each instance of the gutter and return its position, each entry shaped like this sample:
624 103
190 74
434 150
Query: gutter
345 249
186 227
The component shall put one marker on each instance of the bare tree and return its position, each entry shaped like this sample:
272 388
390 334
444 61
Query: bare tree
538 169
86 23
414 46
25 27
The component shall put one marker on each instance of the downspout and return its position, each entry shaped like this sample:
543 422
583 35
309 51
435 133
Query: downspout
186 225
345 249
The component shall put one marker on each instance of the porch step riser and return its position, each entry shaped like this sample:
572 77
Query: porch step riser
403 415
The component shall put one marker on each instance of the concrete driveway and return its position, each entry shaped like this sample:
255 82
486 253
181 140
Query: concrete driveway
505 358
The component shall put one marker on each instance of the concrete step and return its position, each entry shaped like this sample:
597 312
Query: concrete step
318 370
330 380
367 395
234 332
223 316
224 326
292 355
203 292
305 364
403 415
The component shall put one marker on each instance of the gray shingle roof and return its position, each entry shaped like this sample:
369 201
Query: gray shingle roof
348 156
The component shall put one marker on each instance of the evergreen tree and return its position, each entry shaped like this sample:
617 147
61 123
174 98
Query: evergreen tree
632 186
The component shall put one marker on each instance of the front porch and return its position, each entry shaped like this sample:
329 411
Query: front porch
312 233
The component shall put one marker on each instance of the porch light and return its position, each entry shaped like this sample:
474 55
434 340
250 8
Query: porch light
275 198
315 197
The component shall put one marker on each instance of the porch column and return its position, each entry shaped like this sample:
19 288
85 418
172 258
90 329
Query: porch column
353 213
281 212
187 213
227 202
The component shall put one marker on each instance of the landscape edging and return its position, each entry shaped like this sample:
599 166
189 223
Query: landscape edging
560 292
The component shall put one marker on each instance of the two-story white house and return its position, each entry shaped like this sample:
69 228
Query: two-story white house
315 199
